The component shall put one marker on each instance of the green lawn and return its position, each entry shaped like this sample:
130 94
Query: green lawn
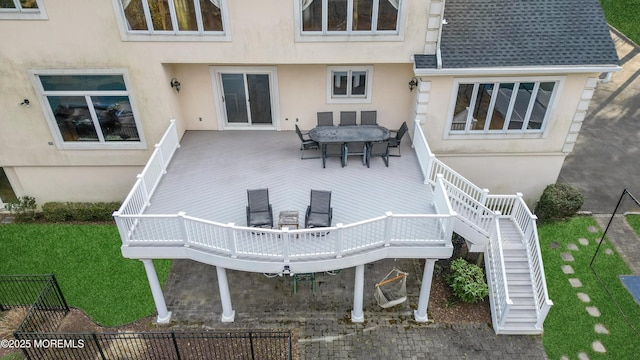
623 15
88 264
569 329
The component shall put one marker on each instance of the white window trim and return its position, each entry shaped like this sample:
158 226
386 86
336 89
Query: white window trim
366 99
173 35
24 14
504 134
51 121
345 36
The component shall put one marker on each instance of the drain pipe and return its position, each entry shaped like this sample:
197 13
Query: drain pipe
442 23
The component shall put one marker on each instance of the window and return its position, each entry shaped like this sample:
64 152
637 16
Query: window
349 85
502 107
349 17
22 9
89 110
163 19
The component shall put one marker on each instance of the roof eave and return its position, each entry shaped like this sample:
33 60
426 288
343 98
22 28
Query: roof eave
517 70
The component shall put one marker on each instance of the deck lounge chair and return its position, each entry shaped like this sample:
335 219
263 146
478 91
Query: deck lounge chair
259 213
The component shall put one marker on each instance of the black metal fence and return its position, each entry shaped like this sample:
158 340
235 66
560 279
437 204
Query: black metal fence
159 345
37 338
41 294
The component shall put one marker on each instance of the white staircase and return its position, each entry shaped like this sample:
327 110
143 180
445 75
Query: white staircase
522 316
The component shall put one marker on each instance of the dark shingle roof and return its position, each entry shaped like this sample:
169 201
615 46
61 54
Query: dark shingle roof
506 33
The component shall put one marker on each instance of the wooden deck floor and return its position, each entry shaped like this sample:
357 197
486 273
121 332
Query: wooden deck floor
212 170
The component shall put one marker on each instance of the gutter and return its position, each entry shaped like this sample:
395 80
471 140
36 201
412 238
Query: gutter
517 70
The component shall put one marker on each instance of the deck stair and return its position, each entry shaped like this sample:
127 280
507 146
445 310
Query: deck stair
522 314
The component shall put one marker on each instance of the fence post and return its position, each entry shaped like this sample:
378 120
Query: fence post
388 224
286 245
231 240
183 228
253 355
339 240
175 344
95 339
483 196
59 292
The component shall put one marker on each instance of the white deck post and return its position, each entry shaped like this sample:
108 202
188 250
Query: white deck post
228 314
420 315
358 295
164 316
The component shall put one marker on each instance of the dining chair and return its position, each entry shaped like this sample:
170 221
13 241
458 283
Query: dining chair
333 150
306 144
356 148
325 118
347 118
394 141
369 117
259 213
381 149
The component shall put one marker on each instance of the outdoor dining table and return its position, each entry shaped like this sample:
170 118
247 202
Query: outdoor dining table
345 134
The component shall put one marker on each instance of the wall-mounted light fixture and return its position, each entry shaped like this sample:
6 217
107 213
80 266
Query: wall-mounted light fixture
175 84
25 103
413 83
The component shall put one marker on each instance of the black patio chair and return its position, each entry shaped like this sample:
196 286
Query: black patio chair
325 118
381 149
306 144
319 212
259 213
369 117
347 118
333 150
356 148
394 141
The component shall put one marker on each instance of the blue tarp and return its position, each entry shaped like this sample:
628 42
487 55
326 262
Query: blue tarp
632 283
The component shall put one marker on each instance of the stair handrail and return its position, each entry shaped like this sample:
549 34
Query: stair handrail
482 217
515 207
432 166
526 220
499 272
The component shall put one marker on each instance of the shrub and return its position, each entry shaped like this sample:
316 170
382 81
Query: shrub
23 208
79 211
467 281
558 201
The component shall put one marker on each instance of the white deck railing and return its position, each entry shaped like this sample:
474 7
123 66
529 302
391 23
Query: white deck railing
285 245
240 242
515 207
495 265
432 167
138 199
478 209
453 195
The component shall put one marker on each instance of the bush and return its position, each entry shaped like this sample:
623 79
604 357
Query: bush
559 201
467 281
78 211
23 208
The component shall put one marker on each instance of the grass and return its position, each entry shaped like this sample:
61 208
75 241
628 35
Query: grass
623 15
569 329
634 221
88 264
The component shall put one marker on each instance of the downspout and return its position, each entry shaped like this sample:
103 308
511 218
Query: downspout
442 23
